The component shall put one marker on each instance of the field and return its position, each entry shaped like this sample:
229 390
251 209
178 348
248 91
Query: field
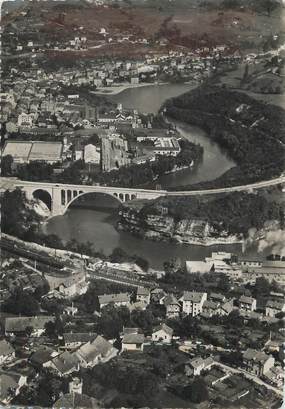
191 27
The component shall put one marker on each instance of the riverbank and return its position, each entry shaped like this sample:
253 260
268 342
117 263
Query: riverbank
118 89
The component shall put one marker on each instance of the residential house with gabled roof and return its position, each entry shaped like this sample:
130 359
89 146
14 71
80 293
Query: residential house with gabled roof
257 362
11 384
120 299
162 333
133 342
143 294
192 302
7 352
92 353
42 355
247 303
226 308
19 325
274 307
211 308
73 340
196 365
172 306
75 401
64 364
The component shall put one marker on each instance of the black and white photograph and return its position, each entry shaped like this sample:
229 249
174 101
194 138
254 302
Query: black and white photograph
142 203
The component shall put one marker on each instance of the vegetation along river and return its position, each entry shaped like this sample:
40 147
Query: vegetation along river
98 226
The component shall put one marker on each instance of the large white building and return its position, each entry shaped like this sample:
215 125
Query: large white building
192 302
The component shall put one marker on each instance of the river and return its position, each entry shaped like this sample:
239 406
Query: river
98 227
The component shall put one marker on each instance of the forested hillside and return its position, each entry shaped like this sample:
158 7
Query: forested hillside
252 132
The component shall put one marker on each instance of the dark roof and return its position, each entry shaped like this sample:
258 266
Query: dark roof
133 339
192 296
42 355
83 337
75 400
65 362
20 324
165 328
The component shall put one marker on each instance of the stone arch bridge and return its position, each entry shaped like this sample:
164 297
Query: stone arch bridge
58 197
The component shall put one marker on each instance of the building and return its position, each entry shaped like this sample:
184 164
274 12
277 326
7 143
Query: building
166 146
77 339
63 364
172 306
269 269
11 384
120 299
94 352
76 400
257 362
211 308
133 342
19 325
162 333
41 356
7 352
92 154
195 366
143 294
26 120
114 153
192 302
29 151
75 386
247 303
201 267
274 307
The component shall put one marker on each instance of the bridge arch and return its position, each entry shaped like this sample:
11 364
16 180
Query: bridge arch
44 196
81 194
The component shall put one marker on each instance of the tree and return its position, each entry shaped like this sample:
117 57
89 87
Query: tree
197 391
22 302
268 5
6 165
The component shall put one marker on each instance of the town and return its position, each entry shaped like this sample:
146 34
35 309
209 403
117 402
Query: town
142 204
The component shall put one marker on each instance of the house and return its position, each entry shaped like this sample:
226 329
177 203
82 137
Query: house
120 299
94 352
11 384
196 365
75 401
211 308
172 306
192 302
7 352
42 355
19 325
143 294
75 340
157 296
162 333
257 362
217 297
247 303
275 376
274 307
226 308
133 342
64 364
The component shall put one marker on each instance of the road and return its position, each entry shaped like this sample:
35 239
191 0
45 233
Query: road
250 376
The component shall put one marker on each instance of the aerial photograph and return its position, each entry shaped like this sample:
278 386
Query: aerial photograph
142 198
